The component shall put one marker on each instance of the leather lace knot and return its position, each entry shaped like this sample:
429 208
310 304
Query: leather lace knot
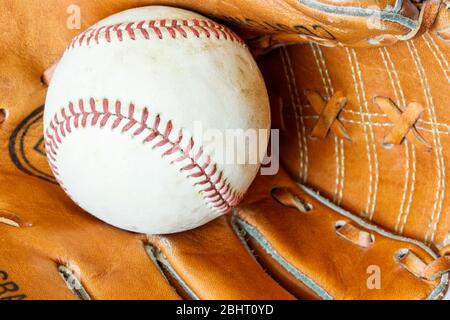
328 115
404 122
421 269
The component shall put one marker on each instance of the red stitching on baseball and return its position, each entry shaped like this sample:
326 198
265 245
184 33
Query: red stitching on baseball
216 191
155 29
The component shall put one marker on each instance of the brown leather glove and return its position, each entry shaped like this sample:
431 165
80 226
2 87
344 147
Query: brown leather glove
284 241
368 128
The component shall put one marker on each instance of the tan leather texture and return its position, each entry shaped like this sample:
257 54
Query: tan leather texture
393 167
285 241
308 247
327 22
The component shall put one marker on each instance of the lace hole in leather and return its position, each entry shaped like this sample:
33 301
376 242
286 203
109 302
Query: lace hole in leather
13 220
400 254
285 197
3 115
339 224
354 234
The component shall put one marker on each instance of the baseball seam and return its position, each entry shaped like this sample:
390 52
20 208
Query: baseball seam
190 158
155 29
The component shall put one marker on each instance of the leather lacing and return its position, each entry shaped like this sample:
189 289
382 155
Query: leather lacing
287 198
362 238
403 121
12 219
328 115
354 234
429 11
428 271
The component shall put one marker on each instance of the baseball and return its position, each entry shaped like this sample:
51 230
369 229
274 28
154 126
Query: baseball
123 110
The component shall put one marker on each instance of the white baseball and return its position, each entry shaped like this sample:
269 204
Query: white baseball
120 114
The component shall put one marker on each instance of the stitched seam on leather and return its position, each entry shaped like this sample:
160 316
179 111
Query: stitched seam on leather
440 191
419 68
409 159
241 235
298 113
339 143
403 213
168 267
73 282
165 267
216 191
155 29
368 134
412 188
385 15
329 91
300 276
422 122
445 130
371 210
438 54
283 54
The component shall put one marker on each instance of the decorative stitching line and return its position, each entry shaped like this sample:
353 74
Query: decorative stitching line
155 29
440 57
216 190
372 136
359 95
440 192
297 107
339 143
412 188
445 130
296 115
253 232
368 133
408 191
395 81
379 115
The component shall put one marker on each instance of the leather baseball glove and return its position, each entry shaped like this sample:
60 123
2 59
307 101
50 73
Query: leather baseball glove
359 209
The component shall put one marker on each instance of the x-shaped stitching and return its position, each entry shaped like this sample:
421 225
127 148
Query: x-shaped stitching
328 115
404 122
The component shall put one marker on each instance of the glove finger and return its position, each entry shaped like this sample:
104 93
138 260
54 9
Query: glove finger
303 240
109 263
211 262
27 274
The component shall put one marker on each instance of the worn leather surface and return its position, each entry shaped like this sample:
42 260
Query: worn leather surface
268 249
